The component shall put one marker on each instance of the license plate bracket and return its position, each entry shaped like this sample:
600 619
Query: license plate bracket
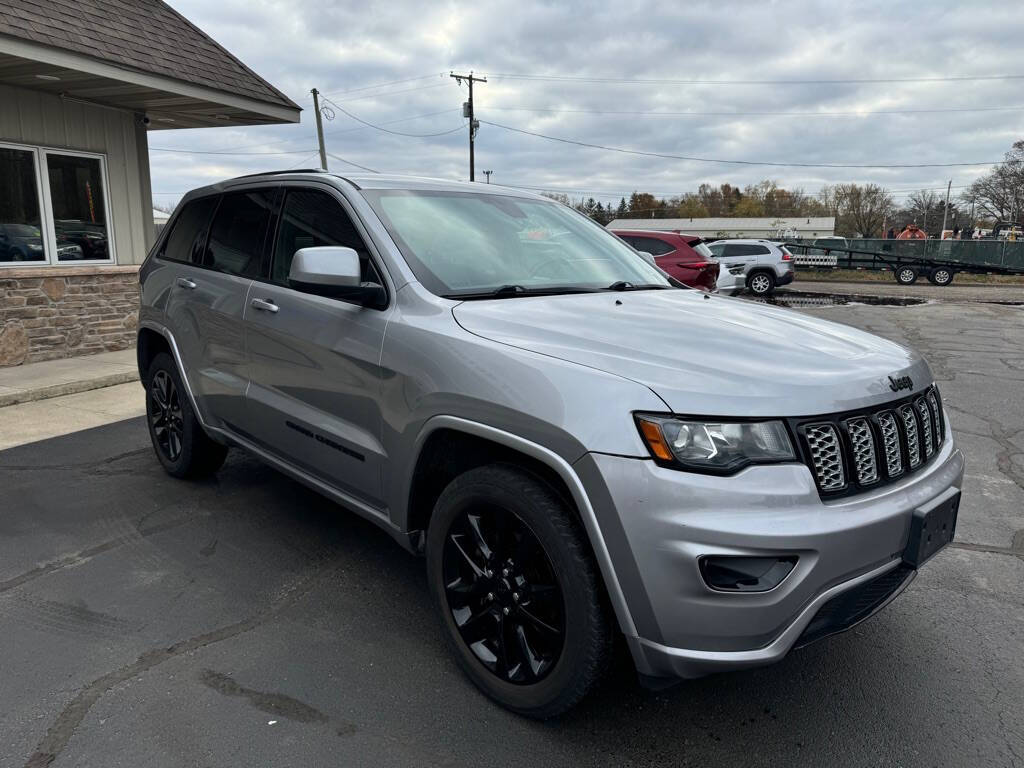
931 530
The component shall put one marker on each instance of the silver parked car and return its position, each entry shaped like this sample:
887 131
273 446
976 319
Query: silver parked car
765 265
513 393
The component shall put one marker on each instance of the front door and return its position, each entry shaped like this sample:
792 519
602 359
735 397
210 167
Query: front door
314 362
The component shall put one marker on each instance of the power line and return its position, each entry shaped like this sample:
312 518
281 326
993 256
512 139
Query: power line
640 113
349 162
668 156
395 93
384 85
203 152
663 81
387 130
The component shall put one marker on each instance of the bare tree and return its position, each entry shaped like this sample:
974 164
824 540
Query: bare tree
865 208
999 194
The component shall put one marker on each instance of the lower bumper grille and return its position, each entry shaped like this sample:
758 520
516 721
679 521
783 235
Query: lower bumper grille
853 606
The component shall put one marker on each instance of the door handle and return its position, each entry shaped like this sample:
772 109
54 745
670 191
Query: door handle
184 282
264 305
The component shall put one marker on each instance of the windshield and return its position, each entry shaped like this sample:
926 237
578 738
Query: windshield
463 243
23 230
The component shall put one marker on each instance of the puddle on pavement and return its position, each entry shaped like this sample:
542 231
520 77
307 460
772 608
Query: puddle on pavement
802 299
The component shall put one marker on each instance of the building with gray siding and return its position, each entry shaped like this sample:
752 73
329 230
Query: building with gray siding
82 85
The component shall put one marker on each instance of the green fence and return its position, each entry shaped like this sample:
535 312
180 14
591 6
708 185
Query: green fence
980 253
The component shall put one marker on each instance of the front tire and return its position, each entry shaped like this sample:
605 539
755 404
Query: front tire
761 283
511 573
181 445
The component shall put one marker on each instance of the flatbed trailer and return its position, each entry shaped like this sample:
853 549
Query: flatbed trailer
908 260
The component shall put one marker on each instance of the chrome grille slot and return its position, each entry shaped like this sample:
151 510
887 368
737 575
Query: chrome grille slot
926 424
862 443
826 456
933 403
891 442
910 430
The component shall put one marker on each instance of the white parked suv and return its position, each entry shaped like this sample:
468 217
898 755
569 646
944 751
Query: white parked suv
765 265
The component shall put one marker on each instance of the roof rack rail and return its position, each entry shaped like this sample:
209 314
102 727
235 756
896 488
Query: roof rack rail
278 173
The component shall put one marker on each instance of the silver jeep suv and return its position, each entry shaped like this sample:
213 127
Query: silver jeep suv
513 393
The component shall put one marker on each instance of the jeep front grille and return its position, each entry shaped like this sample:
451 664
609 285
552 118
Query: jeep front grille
854 451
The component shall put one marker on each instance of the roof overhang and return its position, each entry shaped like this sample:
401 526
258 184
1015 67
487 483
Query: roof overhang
169 103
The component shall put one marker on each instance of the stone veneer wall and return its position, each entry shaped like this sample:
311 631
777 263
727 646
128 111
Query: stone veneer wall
54 312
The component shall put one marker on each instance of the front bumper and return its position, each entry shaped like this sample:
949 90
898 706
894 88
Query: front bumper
658 522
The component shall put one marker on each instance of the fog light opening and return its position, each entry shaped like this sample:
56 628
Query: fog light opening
738 573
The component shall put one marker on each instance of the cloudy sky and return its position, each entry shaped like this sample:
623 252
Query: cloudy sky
563 69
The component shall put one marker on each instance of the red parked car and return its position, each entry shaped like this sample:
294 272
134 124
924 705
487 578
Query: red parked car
684 257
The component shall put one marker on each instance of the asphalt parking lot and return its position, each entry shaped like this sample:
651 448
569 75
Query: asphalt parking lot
146 621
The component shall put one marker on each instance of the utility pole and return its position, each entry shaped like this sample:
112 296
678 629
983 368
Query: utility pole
319 128
488 175
945 210
467 111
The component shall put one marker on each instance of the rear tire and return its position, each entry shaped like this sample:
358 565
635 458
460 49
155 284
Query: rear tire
761 283
507 563
941 276
180 443
906 275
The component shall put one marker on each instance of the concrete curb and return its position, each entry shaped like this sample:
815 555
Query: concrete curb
68 388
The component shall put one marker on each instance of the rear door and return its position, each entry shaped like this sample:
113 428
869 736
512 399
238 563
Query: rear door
314 396
740 253
207 300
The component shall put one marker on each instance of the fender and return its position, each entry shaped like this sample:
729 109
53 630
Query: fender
572 482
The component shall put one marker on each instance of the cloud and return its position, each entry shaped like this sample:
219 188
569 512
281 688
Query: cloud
340 46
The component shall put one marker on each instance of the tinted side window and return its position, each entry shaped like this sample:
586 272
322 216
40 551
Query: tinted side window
239 231
652 246
717 249
185 241
735 249
759 250
312 218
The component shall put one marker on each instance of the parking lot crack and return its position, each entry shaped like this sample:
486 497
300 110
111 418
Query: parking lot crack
68 720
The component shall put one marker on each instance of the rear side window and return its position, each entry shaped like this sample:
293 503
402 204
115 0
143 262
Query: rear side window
239 231
652 245
745 249
185 241
311 218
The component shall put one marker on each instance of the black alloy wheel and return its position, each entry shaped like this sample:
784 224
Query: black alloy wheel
503 595
165 415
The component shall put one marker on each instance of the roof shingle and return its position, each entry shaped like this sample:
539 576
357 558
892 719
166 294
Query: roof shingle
145 35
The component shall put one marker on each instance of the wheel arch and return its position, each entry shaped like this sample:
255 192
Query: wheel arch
761 269
149 343
449 445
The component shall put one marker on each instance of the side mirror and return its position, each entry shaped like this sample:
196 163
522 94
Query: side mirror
648 257
327 265
335 272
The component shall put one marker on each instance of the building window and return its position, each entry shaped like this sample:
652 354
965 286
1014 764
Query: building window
53 207
21 237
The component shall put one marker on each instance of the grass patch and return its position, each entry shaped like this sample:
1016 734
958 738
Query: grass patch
885 276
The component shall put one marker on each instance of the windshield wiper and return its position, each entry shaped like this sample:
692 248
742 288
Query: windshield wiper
512 291
625 285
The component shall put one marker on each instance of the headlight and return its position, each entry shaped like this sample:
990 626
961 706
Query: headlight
720 447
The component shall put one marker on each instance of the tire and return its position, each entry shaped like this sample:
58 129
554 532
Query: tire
761 283
518 661
180 443
941 276
906 275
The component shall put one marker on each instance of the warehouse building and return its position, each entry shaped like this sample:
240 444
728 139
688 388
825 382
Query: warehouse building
768 227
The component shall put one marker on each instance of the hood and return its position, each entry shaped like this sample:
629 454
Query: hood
706 355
